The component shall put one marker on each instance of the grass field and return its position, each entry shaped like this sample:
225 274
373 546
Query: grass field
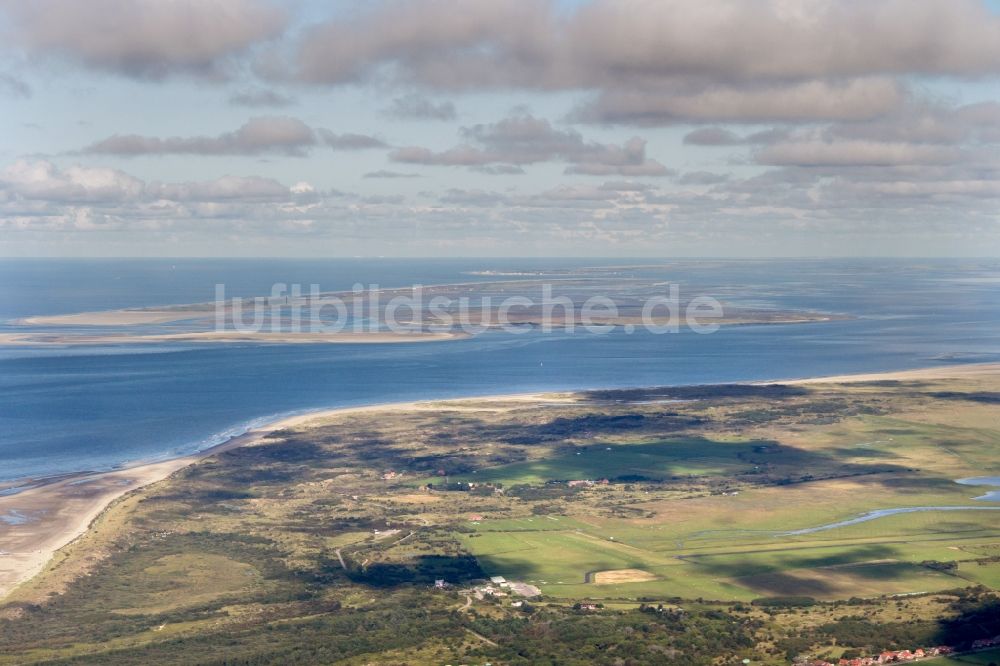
732 545
189 579
732 542
639 460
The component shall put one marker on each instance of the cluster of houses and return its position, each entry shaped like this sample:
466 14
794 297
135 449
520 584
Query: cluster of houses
905 656
497 587
501 587
891 657
587 482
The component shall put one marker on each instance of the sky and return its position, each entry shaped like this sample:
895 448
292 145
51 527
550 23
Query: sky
631 128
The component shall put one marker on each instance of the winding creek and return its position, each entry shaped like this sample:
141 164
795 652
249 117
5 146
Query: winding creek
882 513
991 496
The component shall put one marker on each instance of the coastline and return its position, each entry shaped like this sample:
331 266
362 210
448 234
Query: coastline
58 510
376 337
49 514
953 371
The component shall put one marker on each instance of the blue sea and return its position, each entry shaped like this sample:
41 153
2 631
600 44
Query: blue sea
73 409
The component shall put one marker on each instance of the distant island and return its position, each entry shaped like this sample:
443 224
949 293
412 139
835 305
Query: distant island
473 308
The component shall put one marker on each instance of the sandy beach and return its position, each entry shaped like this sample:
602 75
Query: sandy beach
263 337
940 372
116 318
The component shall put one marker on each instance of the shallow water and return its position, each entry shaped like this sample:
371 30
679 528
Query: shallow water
14 517
990 496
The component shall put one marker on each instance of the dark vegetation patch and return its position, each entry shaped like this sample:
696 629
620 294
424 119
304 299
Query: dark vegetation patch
784 602
984 397
548 491
423 570
286 451
705 392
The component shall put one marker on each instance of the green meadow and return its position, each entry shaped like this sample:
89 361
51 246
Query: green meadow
642 460
733 542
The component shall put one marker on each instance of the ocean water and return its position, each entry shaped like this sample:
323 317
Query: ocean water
64 410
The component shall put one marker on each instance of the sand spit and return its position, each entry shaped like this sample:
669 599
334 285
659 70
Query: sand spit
263 337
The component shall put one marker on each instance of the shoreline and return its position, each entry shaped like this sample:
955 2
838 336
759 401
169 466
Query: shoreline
59 509
947 371
196 337
52 512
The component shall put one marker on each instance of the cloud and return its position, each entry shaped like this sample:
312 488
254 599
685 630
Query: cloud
385 173
226 188
780 40
349 141
643 168
714 60
625 186
953 204
857 99
855 153
499 169
718 136
260 97
703 178
379 199
928 122
524 139
143 39
421 108
269 134
13 86
425 42
533 43
472 198
571 193
281 135
41 180
712 136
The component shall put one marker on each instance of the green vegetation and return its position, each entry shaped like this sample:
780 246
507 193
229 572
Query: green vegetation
322 544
